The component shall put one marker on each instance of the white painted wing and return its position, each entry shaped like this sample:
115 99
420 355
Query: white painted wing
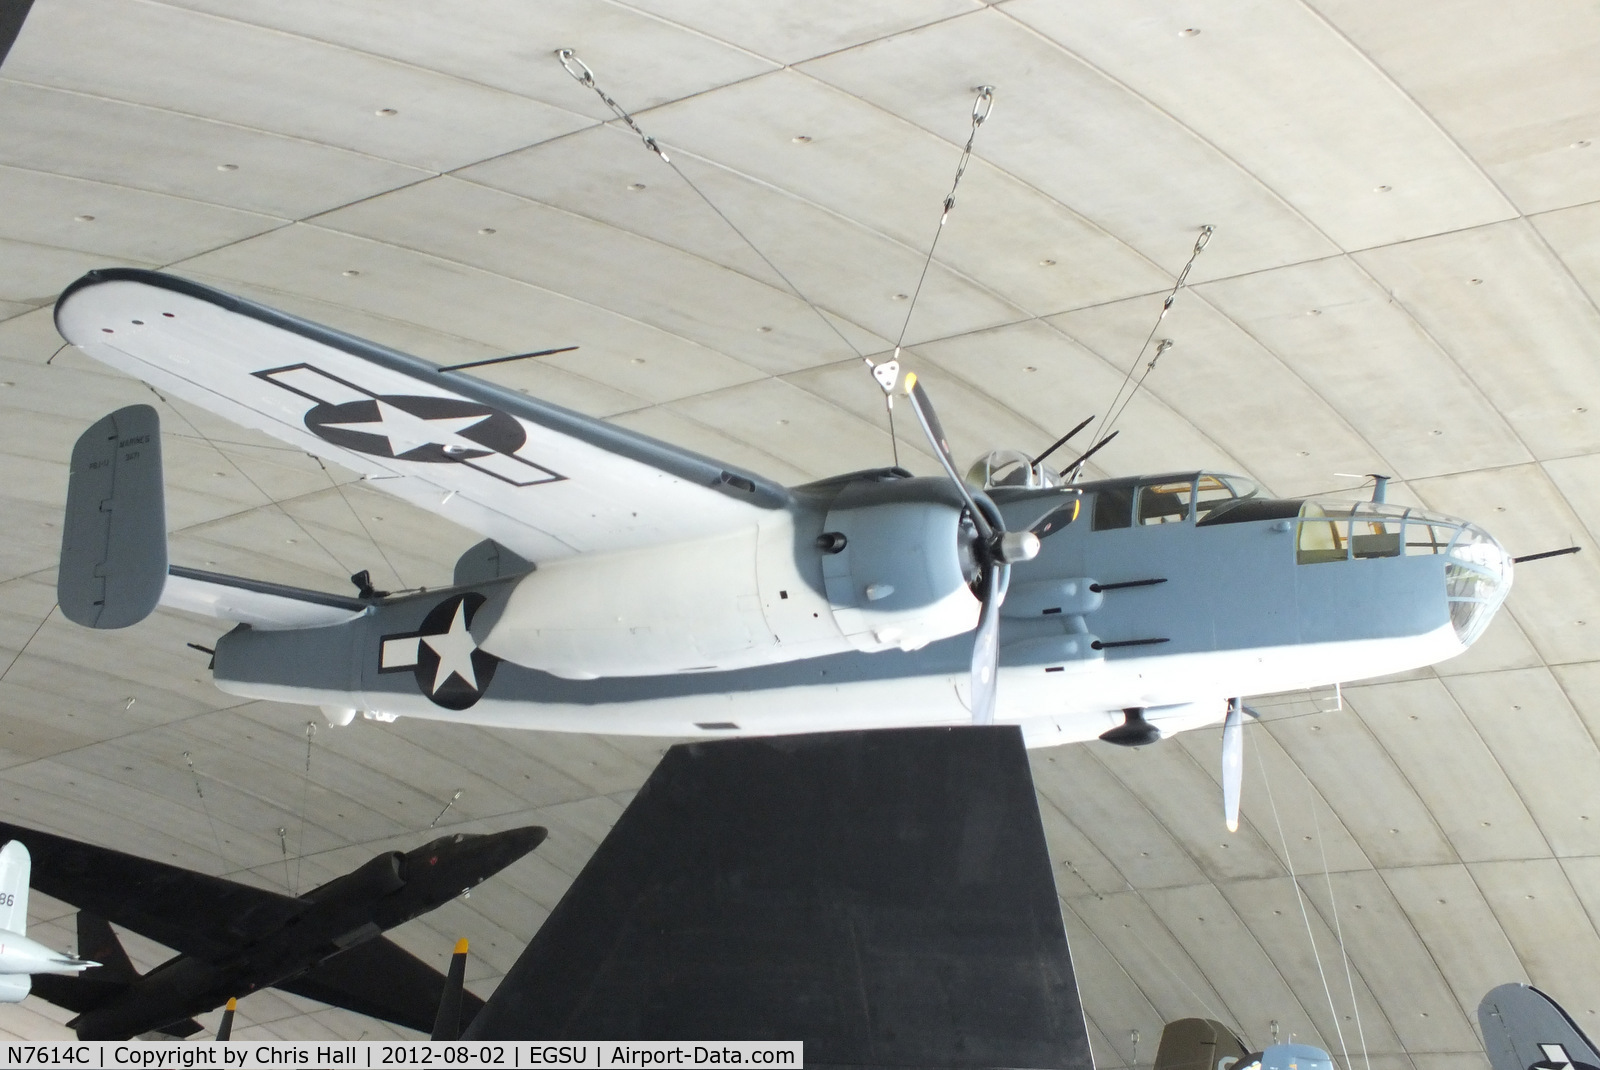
545 481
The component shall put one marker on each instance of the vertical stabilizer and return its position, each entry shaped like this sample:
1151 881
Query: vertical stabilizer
114 534
1524 1029
16 867
1197 1044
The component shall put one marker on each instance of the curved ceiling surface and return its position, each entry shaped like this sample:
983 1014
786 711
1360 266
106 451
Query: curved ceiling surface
1403 279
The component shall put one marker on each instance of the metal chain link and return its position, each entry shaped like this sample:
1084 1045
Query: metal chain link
585 77
890 369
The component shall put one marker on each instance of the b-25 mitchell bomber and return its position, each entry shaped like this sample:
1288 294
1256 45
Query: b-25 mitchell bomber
628 586
233 939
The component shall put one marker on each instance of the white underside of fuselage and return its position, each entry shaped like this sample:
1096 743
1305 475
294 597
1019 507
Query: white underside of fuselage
1179 692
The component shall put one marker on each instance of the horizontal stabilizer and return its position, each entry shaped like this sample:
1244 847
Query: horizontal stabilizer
255 602
114 535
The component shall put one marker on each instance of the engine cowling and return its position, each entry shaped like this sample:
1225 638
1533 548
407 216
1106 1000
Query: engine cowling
897 564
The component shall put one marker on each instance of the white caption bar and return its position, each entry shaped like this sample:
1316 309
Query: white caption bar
568 1055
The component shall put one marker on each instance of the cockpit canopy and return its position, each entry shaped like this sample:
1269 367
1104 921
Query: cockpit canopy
1204 497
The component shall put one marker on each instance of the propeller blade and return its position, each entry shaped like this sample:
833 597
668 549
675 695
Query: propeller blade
1232 762
225 1028
986 645
447 1022
934 430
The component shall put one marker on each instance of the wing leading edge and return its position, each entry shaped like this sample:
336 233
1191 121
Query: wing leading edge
542 480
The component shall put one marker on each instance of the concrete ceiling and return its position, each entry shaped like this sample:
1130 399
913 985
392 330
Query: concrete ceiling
1403 279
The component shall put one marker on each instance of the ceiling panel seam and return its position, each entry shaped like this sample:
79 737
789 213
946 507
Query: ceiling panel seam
262 131
340 47
1217 883
1023 183
849 221
1383 73
163 194
1109 955
1189 131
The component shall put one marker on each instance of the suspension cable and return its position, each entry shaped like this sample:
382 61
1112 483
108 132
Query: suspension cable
1113 412
1305 915
981 108
581 73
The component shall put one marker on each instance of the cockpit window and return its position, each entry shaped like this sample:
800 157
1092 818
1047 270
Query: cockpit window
1164 503
1113 508
1168 503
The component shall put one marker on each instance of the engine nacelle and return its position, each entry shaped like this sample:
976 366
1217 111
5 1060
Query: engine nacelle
897 576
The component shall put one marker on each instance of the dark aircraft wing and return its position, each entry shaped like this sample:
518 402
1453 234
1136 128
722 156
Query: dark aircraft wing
192 913
407 992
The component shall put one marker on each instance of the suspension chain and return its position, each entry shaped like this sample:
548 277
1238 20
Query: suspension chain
1113 411
888 373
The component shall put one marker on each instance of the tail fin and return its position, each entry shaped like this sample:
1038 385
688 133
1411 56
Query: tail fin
97 941
114 535
1524 1029
1196 1044
16 867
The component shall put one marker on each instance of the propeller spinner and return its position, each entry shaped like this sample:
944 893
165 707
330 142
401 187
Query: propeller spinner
994 548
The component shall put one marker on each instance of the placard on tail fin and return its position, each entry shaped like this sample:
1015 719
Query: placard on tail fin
16 867
114 536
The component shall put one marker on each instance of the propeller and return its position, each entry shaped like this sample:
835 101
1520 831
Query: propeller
1232 761
225 1028
995 549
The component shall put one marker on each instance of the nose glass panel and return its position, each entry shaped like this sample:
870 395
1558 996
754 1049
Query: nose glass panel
1477 574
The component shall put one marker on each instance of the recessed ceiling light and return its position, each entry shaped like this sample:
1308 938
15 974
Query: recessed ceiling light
801 139
1191 31
84 218
227 167
763 330
1381 189
1047 263
1314 312
352 273
1581 143
638 360
1030 368
485 230
901 297
386 112
636 186
1474 282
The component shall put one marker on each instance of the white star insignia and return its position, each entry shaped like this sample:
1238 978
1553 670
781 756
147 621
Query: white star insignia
406 431
454 648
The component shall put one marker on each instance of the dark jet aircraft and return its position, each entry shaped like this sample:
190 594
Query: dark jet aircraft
233 939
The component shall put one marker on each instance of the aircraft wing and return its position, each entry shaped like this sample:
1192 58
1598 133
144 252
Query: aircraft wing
537 478
192 913
408 995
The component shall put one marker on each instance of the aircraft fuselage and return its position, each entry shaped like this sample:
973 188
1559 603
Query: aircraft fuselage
1142 597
